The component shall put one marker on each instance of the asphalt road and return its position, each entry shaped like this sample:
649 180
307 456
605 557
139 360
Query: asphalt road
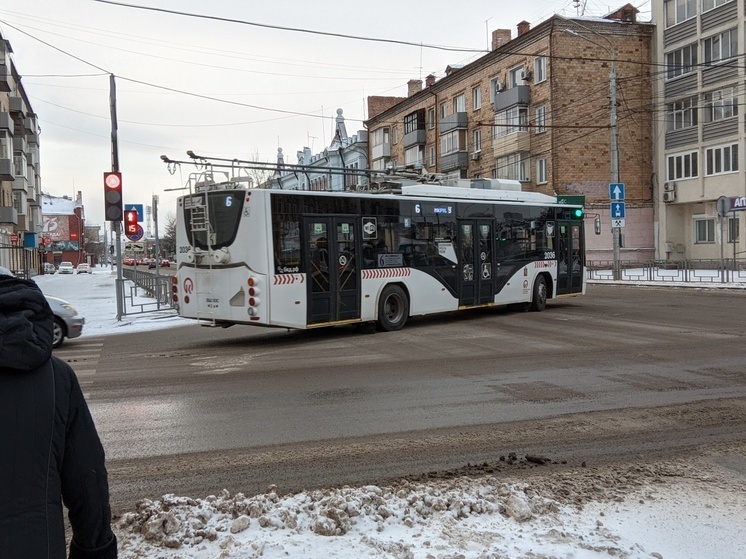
623 373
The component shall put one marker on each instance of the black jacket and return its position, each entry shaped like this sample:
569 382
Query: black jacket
50 452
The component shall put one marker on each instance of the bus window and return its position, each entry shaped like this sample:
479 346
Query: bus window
286 238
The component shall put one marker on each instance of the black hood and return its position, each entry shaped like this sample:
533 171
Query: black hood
26 325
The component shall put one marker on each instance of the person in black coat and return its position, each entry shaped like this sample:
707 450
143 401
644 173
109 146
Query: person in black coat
50 452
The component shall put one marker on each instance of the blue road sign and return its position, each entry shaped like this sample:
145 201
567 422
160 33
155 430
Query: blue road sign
138 208
616 191
617 210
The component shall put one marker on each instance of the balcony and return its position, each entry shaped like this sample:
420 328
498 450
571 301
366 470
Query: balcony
519 95
6 122
453 122
7 84
381 150
453 161
7 170
8 215
511 143
20 145
20 184
17 107
414 138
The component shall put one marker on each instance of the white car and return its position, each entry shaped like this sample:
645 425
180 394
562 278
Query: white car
65 268
84 268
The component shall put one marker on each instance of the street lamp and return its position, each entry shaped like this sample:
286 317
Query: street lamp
615 231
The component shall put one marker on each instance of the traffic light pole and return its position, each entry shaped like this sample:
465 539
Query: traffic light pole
116 225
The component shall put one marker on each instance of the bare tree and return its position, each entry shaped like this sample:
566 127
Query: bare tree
168 241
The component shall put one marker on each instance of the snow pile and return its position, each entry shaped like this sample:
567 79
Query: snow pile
579 514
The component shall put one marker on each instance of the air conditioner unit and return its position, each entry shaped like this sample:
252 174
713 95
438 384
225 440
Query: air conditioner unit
499 86
669 187
476 155
526 75
669 196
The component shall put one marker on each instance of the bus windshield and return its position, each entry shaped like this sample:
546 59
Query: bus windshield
213 219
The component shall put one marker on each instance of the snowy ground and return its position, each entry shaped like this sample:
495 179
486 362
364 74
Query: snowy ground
674 510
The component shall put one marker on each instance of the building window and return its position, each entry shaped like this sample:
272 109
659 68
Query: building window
431 118
681 114
711 4
721 159
720 47
733 227
515 76
452 142
541 170
720 104
431 156
414 155
682 166
681 61
540 69
513 167
379 136
540 124
496 87
704 230
414 121
443 110
513 120
477 140
394 134
676 11
476 98
459 104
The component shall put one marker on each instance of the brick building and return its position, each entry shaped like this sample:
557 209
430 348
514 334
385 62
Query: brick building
537 109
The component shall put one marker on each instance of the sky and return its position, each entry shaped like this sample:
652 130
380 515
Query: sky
227 89
683 509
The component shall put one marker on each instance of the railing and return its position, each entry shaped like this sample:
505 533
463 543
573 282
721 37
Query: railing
710 271
156 286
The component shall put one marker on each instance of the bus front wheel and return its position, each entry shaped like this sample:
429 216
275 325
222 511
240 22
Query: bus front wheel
539 300
393 308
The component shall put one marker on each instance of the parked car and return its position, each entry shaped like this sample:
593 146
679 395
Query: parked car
84 268
49 268
67 322
66 268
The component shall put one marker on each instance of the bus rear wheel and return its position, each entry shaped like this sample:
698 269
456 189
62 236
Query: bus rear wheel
393 308
539 300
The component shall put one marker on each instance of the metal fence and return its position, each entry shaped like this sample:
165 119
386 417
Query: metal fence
155 286
726 271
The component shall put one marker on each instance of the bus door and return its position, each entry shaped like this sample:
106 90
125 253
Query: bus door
476 264
331 257
569 256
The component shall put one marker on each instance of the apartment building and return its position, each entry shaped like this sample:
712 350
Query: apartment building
537 109
20 201
700 127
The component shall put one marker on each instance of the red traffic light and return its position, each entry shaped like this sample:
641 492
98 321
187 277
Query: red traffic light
130 222
113 196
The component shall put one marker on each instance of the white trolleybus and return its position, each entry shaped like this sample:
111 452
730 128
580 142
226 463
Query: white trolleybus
307 259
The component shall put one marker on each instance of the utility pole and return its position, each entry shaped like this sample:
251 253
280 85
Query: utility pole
116 225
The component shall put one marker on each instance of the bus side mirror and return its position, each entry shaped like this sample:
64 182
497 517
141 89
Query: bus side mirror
597 225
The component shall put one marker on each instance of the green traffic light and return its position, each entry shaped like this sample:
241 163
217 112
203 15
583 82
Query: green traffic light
578 212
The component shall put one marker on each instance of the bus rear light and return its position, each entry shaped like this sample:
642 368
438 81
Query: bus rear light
253 301
253 291
186 299
252 281
252 311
